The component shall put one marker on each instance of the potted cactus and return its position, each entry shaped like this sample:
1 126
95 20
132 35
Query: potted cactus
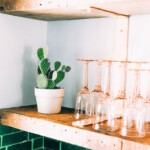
48 95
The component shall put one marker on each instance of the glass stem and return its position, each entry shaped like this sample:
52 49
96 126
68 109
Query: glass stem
98 77
136 92
85 77
125 78
148 89
123 81
107 82
136 84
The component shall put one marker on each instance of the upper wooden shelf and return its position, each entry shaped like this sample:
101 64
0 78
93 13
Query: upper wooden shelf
59 127
51 9
73 9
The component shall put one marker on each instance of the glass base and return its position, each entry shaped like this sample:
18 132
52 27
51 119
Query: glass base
131 133
104 128
79 116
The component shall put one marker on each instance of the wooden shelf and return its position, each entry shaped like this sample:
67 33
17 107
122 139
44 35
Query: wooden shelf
58 14
124 7
63 10
59 127
50 10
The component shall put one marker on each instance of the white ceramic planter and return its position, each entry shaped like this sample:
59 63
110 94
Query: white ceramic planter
49 101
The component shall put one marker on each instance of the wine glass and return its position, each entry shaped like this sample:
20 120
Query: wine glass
97 93
105 110
133 116
121 97
82 107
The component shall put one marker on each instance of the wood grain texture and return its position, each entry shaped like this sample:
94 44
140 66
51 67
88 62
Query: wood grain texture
59 127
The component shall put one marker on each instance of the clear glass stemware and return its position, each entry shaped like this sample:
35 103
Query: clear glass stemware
105 110
133 116
82 107
97 93
120 100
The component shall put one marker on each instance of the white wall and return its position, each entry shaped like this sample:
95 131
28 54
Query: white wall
69 40
139 38
19 40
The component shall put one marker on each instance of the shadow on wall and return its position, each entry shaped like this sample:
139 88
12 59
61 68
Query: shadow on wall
29 77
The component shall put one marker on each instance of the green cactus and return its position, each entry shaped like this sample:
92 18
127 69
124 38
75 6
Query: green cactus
47 78
42 81
50 74
67 69
38 70
51 84
40 53
57 65
44 65
60 77
63 68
